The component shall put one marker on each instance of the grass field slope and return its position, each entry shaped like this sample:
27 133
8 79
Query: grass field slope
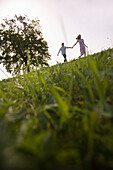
59 117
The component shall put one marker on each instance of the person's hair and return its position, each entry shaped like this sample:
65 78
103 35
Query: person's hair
78 37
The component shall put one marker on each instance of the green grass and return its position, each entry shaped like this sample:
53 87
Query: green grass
59 117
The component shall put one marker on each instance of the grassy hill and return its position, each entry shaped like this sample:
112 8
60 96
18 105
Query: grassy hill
59 117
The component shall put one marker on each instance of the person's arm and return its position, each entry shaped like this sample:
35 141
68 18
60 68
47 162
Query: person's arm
68 47
74 44
86 46
58 51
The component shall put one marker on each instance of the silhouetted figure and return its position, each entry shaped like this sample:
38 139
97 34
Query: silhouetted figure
82 45
63 51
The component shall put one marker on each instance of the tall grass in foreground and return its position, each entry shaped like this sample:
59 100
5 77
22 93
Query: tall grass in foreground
60 117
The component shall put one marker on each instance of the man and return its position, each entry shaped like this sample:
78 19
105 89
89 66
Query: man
63 51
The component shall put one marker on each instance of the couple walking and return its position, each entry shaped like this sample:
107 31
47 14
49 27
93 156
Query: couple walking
82 47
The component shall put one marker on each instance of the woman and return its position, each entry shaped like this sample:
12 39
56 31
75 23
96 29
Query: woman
82 45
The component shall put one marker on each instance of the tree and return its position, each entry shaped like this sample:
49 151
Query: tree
21 38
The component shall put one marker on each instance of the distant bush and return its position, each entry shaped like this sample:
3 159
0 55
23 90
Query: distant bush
22 44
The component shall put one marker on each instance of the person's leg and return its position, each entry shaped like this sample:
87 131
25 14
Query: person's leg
83 51
65 60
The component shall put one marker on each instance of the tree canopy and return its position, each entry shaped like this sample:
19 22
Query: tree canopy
21 38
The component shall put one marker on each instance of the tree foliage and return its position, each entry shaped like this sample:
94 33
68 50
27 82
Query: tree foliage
21 38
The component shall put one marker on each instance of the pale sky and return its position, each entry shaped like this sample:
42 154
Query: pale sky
63 20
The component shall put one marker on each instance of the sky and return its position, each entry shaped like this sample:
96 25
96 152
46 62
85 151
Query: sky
63 20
